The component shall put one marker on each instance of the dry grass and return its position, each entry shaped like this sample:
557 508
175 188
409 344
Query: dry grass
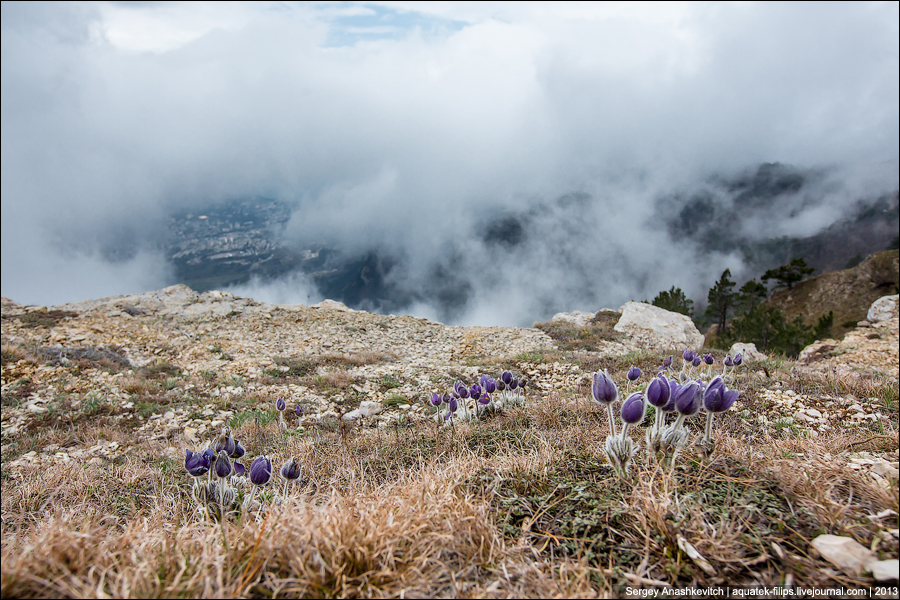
523 504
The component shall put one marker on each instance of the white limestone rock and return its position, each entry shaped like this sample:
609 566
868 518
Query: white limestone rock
654 327
748 352
883 309
577 317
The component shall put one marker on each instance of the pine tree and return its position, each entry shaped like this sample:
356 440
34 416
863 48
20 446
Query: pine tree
789 274
750 296
721 300
675 301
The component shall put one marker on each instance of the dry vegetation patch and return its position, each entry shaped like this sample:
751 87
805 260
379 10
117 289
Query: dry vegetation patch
96 501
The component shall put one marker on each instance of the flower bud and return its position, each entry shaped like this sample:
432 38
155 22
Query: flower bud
738 359
708 359
688 355
688 398
223 465
298 410
633 408
260 470
728 361
506 377
226 442
658 391
280 404
291 468
604 388
238 451
696 361
633 373
197 464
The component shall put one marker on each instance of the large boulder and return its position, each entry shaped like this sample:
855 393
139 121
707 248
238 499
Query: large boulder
883 309
653 327
747 350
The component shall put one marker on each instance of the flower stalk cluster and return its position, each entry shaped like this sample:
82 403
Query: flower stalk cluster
470 403
222 492
679 394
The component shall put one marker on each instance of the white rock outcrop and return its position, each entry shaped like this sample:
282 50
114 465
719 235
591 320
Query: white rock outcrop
654 327
577 317
883 309
747 350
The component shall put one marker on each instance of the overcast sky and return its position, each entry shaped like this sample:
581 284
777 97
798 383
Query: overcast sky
403 125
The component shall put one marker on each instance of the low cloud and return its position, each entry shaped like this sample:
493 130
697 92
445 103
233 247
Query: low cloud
417 131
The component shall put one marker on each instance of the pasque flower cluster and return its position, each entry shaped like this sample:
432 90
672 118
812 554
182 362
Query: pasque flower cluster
226 494
677 394
486 396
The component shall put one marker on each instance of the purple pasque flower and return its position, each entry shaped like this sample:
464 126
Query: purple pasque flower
522 383
475 391
708 359
222 465
226 442
260 470
719 399
658 391
461 390
688 355
488 384
196 464
291 468
436 399
714 390
239 468
667 362
485 399
506 377
688 398
670 405
280 404
238 451
738 359
696 361
728 362
298 410
604 388
501 386
633 373
633 408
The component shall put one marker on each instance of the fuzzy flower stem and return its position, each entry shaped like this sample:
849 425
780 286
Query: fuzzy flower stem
707 432
612 419
625 428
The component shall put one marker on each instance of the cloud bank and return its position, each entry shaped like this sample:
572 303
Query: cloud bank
510 159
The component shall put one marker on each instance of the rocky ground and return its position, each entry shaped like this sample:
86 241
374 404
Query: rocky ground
175 365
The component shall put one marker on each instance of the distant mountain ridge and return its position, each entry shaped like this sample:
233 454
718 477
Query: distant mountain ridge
229 243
